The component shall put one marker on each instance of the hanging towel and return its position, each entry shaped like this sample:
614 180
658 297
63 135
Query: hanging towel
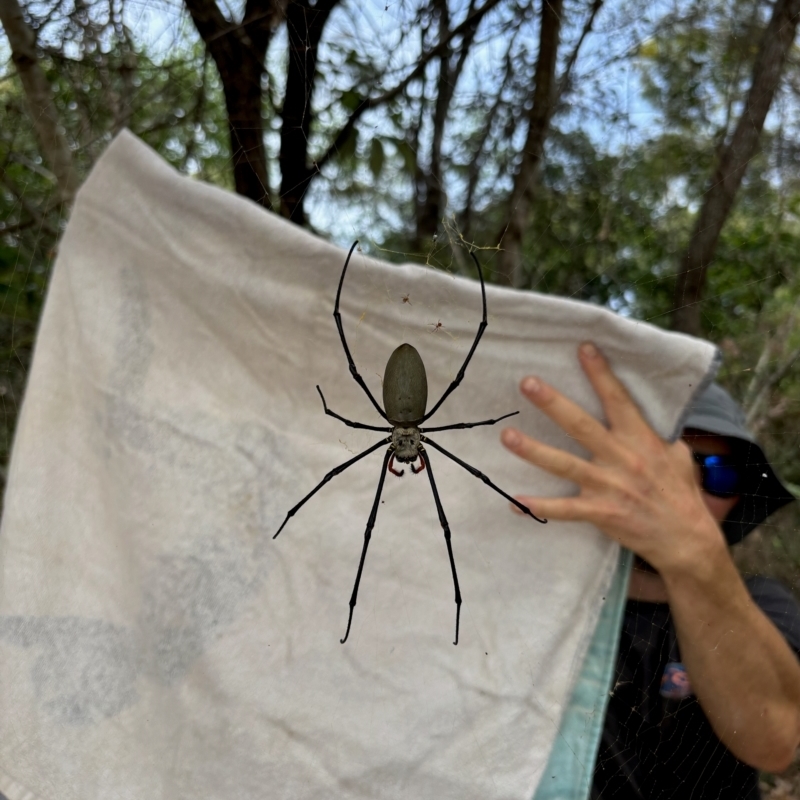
157 642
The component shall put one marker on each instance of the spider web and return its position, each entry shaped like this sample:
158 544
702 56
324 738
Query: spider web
609 105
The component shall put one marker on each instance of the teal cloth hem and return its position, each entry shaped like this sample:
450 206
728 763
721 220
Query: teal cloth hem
568 775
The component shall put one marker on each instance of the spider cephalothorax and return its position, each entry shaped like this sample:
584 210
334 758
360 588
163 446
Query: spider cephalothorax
405 397
406 443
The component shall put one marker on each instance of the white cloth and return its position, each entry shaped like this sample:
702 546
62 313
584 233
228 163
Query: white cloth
156 642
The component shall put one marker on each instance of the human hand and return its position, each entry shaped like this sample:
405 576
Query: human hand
637 489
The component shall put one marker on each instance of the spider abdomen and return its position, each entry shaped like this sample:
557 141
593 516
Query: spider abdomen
405 386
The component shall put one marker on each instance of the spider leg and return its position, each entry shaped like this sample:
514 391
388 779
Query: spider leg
446 529
461 425
481 329
350 422
338 317
367 536
479 474
332 474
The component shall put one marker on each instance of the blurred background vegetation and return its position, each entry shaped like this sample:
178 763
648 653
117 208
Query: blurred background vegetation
640 155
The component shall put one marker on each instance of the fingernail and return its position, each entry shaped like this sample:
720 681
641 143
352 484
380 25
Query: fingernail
588 350
531 385
515 509
511 438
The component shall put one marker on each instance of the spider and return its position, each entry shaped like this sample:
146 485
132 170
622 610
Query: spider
405 396
435 326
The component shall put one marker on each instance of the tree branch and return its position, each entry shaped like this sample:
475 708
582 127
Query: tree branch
763 380
775 377
566 75
44 115
416 73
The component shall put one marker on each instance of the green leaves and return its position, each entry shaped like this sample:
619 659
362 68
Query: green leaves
347 150
351 100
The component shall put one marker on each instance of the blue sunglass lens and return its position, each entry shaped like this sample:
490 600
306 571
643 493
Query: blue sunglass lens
720 475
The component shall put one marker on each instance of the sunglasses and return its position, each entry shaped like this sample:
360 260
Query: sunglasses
722 474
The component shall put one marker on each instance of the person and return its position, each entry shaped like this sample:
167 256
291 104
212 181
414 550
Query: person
707 688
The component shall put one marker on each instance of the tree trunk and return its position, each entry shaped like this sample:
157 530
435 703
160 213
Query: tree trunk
510 266
239 49
49 134
731 167
305 23
431 197
245 127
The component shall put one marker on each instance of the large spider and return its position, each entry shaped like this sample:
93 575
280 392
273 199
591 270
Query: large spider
405 395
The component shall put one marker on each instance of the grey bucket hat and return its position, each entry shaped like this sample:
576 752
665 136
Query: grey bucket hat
715 411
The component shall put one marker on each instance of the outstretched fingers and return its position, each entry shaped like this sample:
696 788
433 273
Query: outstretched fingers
562 464
560 508
621 410
575 421
558 462
623 483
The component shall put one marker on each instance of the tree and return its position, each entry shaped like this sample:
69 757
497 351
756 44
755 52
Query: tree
239 50
731 165
541 111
